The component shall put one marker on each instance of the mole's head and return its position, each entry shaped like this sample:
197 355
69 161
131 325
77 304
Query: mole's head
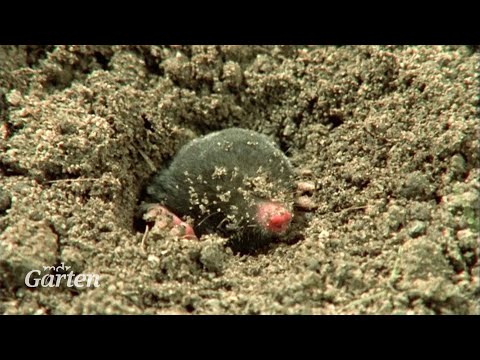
257 210
265 221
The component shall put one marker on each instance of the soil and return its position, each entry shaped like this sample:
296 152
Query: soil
388 134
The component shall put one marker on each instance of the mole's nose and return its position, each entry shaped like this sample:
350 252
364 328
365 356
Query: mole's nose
273 217
279 223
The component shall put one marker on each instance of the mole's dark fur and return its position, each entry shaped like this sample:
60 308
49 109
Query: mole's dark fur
219 180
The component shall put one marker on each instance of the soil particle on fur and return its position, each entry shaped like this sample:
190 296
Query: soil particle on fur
389 136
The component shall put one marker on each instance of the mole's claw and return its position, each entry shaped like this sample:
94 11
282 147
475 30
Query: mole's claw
164 219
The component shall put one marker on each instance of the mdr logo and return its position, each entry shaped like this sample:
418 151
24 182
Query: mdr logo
35 279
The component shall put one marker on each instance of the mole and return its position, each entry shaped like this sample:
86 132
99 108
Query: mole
234 182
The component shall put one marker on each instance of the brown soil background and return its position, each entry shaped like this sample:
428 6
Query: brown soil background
390 134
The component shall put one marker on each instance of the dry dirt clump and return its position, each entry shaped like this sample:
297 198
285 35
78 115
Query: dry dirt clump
389 136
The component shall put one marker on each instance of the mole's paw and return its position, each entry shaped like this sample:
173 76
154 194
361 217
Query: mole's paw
165 220
303 199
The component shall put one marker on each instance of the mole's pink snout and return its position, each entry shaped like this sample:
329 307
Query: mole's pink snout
273 217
